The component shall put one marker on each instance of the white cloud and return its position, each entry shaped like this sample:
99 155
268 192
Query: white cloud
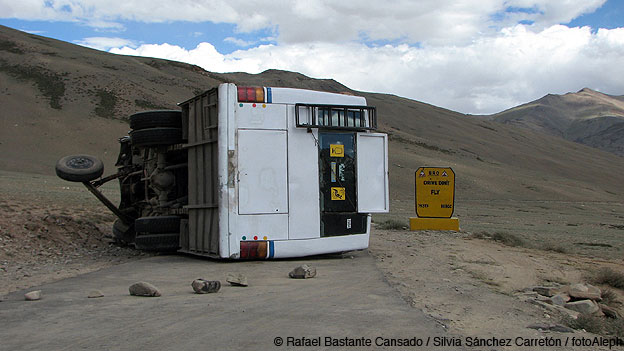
466 55
105 43
486 76
435 22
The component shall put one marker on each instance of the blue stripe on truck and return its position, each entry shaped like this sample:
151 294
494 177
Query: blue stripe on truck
269 96
271 249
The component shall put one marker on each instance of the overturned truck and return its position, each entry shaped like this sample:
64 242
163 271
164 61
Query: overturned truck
247 173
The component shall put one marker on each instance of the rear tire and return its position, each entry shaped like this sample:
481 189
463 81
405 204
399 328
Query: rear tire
156 136
79 168
165 242
157 224
156 119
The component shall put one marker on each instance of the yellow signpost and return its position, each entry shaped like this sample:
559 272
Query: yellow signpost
435 199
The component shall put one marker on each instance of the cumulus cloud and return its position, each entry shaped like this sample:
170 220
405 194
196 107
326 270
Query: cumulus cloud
435 22
470 56
486 76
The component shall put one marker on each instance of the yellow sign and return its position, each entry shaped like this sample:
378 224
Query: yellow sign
336 150
435 192
337 193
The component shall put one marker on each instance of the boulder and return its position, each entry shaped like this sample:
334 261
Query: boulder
546 290
564 311
237 279
583 306
144 289
560 299
33 295
94 294
203 286
584 291
303 272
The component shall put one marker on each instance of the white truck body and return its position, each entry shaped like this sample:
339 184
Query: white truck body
255 190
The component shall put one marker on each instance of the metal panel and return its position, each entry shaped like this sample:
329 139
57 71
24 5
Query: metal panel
263 173
303 182
372 173
203 224
261 116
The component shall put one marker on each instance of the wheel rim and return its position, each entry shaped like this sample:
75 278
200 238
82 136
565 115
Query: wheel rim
80 163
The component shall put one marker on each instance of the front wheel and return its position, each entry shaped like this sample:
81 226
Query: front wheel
79 168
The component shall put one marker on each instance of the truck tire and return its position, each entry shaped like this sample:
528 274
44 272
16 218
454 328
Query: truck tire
123 233
156 136
79 168
156 119
165 242
157 224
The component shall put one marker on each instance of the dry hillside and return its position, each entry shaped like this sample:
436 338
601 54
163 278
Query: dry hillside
58 98
588 117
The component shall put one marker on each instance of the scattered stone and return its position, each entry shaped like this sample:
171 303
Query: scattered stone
203 286
609 311
564 311
585 291
551 327
546 290
237 279
560 299
303 272
539 326
33 295
94 294
561 328
583 306
144 289
544 299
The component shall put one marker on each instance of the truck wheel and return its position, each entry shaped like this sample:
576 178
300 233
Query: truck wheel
157 224
79 168
165 242
123 233
156 119
156 136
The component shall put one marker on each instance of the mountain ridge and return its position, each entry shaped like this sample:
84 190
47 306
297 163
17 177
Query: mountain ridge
588 117
59 98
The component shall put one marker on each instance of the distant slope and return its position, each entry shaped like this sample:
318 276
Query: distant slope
587 117
58 98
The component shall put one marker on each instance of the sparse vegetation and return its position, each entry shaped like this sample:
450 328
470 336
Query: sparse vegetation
597 325
11 47
554 248
50 84
608 276
610 298
106 106
393 224
401 139
501 237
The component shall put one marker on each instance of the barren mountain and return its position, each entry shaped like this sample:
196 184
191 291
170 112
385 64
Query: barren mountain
588 117
58 98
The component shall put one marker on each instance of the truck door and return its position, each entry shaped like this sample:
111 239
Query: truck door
337 185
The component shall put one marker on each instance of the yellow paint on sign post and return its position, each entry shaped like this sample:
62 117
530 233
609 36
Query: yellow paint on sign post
336 150
338 193
435 192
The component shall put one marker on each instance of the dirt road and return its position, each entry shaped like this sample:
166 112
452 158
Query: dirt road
348 301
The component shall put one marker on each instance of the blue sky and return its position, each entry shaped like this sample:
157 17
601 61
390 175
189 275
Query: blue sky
473 57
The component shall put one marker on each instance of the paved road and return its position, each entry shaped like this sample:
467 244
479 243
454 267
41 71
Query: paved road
348 298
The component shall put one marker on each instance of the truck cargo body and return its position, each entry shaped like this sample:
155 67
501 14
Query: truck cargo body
279 172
